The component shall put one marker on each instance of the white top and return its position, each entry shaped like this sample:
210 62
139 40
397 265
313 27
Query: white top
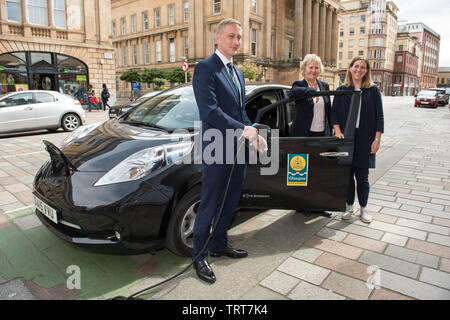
318 122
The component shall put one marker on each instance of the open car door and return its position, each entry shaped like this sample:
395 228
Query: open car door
313 172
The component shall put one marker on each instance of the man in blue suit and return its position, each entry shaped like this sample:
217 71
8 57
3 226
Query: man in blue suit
219 90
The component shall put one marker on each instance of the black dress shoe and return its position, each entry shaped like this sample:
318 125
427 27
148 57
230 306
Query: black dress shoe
204 271
230 252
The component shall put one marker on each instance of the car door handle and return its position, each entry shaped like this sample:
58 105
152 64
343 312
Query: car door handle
334 154
29 108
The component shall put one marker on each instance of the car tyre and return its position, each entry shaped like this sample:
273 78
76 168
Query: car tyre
180 230
70 122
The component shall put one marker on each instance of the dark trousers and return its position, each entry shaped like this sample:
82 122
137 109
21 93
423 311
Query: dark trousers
214 181
362 186
105 103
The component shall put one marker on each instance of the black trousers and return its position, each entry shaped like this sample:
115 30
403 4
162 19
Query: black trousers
362 186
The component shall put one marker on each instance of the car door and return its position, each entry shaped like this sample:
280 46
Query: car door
304 173
17 112
48 110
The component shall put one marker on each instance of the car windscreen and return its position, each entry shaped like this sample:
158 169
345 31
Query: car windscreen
174 109
427 93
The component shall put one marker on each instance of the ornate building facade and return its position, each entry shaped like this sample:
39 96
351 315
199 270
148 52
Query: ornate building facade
58 45
276 34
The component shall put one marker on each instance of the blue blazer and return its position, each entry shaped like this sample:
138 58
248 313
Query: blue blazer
371 121
305 109
218 101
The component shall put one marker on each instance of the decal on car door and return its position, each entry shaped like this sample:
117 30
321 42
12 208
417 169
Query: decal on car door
297 173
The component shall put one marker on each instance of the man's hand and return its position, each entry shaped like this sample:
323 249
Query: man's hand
251 134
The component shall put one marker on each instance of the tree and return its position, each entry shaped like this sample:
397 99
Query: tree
177 75
149 75
250 70
159 83
131 76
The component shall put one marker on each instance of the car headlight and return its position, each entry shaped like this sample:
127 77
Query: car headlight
144 162
81 132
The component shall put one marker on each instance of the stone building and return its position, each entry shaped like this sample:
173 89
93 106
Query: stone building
408 58
369 28
59 45
444 78
276 35
430 43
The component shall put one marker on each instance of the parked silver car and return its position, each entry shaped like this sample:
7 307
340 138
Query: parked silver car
39 109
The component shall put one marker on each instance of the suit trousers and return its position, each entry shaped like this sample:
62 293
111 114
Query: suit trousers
362 186
214 182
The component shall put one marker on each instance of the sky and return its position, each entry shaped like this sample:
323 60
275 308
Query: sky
435 14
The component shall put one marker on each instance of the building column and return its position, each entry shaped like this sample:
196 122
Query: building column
322 29
315 27
267 27
307 27
334 38
328 36
280 49
298 30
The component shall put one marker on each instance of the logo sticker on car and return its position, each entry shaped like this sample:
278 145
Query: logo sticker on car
297 174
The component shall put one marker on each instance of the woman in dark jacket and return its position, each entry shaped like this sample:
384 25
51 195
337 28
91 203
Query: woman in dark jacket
369 128
312 115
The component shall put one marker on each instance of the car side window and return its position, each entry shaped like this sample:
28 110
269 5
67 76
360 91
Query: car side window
43 97
18 99
270 118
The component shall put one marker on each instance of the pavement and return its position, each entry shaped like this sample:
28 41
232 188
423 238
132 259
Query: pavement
404 254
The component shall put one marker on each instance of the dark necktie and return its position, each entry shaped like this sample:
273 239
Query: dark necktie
230 71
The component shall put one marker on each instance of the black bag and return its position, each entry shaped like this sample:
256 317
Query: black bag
105 95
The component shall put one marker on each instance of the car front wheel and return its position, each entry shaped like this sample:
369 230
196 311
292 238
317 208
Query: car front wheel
180 231
70 122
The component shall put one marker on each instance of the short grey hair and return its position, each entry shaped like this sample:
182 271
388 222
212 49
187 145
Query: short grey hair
226 22
308 59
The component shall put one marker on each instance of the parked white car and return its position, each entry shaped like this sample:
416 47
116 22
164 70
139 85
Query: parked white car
39 109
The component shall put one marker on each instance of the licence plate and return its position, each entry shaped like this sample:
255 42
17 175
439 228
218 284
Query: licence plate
45 209
424 102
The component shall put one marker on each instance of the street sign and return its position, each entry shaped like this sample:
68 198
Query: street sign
185 66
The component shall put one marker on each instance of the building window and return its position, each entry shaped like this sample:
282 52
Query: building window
171 15
116 63
352 20
158 51
362 30
133 24
186 47
341 33
217 7
272 42
361 42
214 47
157 18
361 53
113 29
146 53
341 44
144 21
291 49
124 56
352 31
400 47
254 42
186 11
172 50
255 6
351 43
340 55
14 10
350 54
123 26
399 58
59 13
363 18
135 57
37 12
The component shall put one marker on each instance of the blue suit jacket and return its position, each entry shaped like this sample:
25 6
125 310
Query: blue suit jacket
305 110
217 99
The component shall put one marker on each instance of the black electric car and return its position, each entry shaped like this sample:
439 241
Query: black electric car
132 184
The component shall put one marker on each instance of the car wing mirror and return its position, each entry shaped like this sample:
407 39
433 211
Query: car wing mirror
2 104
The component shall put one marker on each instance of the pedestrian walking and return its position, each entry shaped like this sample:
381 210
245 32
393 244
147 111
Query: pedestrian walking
369 128
105 97
91 96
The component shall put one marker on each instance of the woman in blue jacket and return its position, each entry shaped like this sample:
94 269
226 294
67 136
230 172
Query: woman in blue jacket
369 128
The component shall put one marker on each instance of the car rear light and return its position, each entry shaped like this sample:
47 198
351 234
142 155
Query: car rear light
77 103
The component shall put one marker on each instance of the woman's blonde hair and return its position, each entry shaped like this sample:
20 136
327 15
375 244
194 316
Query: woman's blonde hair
308 59
367 79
